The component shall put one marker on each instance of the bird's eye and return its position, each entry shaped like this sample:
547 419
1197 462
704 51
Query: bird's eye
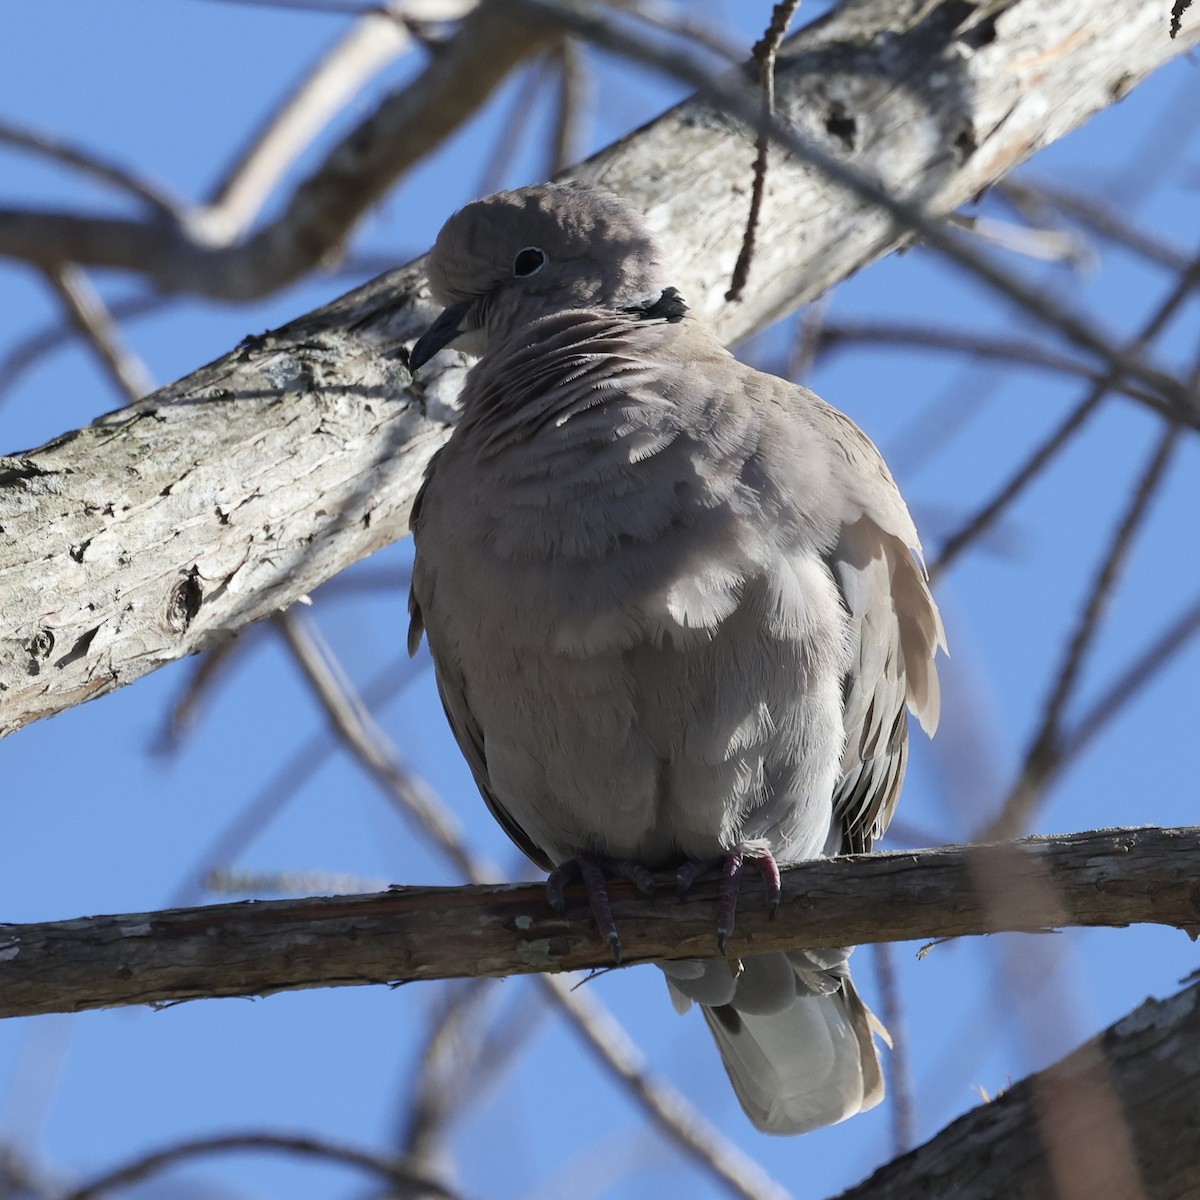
529 261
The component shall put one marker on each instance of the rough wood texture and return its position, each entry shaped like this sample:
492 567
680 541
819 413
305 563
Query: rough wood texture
1118 1119
165 527
1109 877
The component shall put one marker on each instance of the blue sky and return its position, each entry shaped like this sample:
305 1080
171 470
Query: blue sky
93 822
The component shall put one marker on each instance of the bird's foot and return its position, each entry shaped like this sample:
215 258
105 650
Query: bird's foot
594 871
730 867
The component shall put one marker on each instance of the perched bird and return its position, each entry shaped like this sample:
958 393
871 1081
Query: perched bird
675 609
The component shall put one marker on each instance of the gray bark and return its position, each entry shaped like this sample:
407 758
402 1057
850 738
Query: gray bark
1107 878
1115 1120
167 526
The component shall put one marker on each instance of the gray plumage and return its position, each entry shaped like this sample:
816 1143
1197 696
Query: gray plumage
673 604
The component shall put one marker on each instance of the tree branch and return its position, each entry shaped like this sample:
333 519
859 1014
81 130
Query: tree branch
1139 1080
1109 877
163 528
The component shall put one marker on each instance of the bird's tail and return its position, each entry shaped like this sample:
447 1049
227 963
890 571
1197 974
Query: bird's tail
797 1061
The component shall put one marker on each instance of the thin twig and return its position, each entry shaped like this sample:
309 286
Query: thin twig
983 518
530 82
377 39
764 53
197 690
807 343
91 317
837 335
408 1181
289 777
154 195
1177 11
1123 690
354 724
1045 747
673 1114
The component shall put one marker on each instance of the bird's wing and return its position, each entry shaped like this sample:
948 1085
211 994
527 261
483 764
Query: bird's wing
895 630
452 691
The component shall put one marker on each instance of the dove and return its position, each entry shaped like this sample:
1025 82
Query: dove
676 610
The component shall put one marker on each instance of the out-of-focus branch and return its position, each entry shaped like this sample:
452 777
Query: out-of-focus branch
153 195
401 1177
92 318
324 207
985 516
1150 1062
1093 214
916 217
1042 756
379 37
1107 877
834 336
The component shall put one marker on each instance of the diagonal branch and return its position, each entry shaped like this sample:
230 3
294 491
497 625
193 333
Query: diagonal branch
167 526
1143 1073
1107 877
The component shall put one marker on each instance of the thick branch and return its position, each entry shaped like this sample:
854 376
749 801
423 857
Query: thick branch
1137 1084
1109 877
221 499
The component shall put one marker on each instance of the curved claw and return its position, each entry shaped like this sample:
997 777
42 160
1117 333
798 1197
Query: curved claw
592 871
731 867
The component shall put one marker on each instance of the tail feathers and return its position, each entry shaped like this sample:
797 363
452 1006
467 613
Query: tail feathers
810 1064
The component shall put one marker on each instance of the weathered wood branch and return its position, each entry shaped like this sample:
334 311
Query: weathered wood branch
1113 877
167 526
1116 1119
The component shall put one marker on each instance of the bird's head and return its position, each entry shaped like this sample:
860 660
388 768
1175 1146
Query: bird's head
508 259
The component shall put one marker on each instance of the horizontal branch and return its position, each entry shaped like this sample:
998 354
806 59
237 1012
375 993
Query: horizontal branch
1107 877
169 525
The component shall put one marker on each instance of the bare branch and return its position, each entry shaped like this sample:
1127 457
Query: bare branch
764 54
1108 878
91 317
986 515
1147 1063
834 336
1126 687
156 197
1041 760
1093 214
916 218
376 39
406 1181
323 209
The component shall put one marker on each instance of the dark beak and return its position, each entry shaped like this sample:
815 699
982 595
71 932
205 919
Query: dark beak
441 333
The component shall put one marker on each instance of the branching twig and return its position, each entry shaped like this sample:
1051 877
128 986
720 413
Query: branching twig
571 15
983 518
